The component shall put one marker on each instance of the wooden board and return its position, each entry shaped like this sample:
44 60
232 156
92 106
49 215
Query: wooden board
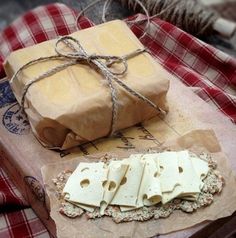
22 155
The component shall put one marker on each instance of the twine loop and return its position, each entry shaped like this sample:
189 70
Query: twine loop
76 54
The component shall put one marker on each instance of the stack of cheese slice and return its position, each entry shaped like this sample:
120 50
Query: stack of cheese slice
137 181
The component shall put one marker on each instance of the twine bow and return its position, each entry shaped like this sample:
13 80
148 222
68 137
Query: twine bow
102 63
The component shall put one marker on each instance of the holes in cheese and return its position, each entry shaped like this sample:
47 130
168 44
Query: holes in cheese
83 169
189 184
117 171
200 167
104 184
169 178
123 181
112 186
180 170
86 187
150 189
128 192
140 180
109 185
84 183
189 179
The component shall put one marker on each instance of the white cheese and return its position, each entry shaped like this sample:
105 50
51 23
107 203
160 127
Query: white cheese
192 197
85 207
141 180
168 196
128 191
85 185
190 182
150 189
116 173
169 173
201 168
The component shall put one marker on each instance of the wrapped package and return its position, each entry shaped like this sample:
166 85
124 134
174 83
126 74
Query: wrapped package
74 105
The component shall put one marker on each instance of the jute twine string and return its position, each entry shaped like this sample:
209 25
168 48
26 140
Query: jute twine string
106 5
189 15
102 63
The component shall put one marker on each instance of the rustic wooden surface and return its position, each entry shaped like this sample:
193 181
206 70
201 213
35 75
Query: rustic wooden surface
11 9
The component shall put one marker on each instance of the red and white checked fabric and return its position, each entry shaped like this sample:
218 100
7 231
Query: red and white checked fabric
208 71
10 197
22 224
16 218
41 24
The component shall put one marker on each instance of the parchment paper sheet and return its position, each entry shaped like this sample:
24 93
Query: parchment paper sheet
196 141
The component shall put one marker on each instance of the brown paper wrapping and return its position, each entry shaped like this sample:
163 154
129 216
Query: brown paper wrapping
23 157
196 141
74 106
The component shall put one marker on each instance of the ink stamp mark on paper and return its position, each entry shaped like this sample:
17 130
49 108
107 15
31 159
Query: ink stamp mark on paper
39 194
146 135
6 95
127 145
35 187
15 120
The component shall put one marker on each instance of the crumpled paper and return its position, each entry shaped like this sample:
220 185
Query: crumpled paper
197 141
74 106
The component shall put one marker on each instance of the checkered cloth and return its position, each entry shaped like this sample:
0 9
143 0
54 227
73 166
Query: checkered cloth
16 218
208 71
10 197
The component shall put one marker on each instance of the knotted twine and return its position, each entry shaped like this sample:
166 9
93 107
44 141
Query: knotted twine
102 63
190 15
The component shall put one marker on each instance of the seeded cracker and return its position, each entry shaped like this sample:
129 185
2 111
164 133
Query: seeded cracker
213 184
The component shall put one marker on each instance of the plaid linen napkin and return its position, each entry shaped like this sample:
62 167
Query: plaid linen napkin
208 71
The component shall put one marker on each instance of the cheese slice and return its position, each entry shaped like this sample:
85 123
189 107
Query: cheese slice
169 173
128 191
192 197
85 185
140 180
150 189
192 170
190 182
168 196
116 173
85 207
201 168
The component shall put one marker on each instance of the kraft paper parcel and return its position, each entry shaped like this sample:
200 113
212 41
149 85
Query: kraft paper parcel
74 105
